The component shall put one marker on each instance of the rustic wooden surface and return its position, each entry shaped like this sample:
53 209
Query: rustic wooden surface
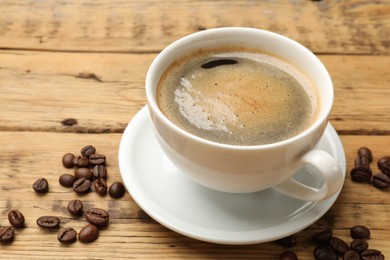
87 60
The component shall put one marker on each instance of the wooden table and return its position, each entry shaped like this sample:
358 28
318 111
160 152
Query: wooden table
87 60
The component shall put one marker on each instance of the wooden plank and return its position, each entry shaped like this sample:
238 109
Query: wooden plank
26 156
356 26
39 90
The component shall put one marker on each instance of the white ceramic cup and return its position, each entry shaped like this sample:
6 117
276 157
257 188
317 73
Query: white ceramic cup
242 169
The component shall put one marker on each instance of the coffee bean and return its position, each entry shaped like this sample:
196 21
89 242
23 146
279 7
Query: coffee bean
381 181
100 186
362 161
97 217
80 161
384 165
83 173
100 171
67 235
366 152
88 234
48 222
324 253
16 218
41 185
372 254
323 237
288 255
82 185
67 160
351 255
116 190
288 241
361 174
7 234
359 245
361 232
75 207
88 150
97 159
338 245
67 180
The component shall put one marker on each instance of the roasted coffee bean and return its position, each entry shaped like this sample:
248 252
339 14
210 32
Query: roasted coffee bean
361 174
381 181
100 186
288 255
362 161
83 173
7 234
16 218
75 207
97 217
324 253
384 165
41 185
48 222
372 254
338 245
97 159
88 150
88 234
100 171
67 235
323 237
116 190
67 160
288 241
82 185
80 161
366 152
359 245
67 180
351 255
361 232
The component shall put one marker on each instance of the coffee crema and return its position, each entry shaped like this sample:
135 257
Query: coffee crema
237 96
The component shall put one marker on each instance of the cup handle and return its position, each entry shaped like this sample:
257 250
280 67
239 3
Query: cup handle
330 171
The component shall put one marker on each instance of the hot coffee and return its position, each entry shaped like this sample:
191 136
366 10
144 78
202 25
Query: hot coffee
237 96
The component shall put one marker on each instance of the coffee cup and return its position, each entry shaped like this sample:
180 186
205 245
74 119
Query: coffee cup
225 164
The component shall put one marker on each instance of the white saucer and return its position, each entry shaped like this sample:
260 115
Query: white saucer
181 205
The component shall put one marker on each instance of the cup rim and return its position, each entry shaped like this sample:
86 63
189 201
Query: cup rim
152 102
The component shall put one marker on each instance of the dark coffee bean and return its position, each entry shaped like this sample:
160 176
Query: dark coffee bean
288 255
381 181
361 232
384 165
338 245
88 150
117 190
361 174
100 171
288 241
41 185
48 222
88 234
7 234
359 245
362 161
67 180
97 159
366 152
351 255
67 235
323 237
75 207
83 173
97 217
100 186
324 253
372 254
16 218
219 62
82 185
80 161
67 160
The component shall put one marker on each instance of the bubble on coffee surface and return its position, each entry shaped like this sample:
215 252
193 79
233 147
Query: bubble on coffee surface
253 100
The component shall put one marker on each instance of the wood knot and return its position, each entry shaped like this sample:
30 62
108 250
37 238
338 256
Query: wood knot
69 122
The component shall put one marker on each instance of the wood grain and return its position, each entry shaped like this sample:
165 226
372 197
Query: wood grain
355 26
